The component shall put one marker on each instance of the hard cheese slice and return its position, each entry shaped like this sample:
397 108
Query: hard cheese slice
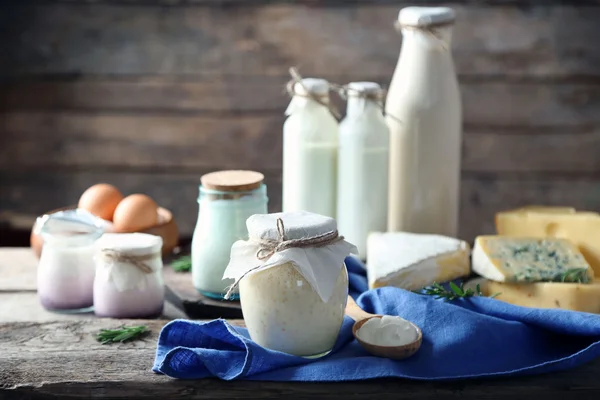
512 259
412 261
567 296
580 227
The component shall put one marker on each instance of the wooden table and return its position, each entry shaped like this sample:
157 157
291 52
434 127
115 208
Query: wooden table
45 355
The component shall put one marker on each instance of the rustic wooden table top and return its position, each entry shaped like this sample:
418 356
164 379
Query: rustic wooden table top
45 355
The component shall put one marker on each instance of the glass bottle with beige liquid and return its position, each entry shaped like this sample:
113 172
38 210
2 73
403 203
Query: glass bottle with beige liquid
424 117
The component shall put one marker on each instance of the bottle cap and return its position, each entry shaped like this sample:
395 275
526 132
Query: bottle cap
319 87
426 16
232 180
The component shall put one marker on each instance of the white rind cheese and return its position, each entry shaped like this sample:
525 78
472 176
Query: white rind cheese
514 259
412 261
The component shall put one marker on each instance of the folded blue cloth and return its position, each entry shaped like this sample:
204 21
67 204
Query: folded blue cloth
466 338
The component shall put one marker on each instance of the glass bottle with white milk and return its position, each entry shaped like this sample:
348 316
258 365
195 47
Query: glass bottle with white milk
425 120
310 145
363 165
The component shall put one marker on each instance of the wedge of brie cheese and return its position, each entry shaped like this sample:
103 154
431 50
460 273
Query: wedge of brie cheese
518 259
412 261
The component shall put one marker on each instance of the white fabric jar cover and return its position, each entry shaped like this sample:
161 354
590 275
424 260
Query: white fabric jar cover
128 259
273 241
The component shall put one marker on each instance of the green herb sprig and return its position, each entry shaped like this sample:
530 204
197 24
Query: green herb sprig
573 275
122 334
454 293
182 264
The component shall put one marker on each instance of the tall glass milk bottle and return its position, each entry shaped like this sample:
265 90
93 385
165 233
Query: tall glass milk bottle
310 144
423 108
363 166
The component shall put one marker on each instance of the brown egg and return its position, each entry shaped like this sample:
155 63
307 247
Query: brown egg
101 200
135 213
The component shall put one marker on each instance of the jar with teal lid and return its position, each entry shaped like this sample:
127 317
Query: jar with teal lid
227 199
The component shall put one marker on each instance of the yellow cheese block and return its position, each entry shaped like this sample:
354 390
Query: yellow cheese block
566 296
580 227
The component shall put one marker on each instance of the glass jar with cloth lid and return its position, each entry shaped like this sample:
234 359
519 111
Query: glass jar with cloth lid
293 283
129 281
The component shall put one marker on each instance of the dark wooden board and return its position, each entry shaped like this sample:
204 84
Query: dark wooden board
486 103
183 295
482 195
63 360
88 38
91 140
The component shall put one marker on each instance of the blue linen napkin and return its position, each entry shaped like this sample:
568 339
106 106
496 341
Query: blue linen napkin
467 338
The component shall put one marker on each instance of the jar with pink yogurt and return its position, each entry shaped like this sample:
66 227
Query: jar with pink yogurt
65 273
129 281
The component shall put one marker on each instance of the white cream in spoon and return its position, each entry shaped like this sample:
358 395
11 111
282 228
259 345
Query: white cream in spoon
387 331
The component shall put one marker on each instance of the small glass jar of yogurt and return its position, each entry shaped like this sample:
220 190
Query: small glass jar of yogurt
65 274
129 281
293 283
227 199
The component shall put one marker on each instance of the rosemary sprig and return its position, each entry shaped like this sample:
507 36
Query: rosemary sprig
454 293
122 334
182 264
573 275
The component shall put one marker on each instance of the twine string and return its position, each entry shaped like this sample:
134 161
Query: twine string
268 247
344 91
429 30
321 99
137 261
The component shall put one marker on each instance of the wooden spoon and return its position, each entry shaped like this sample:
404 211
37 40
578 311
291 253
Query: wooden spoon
393 352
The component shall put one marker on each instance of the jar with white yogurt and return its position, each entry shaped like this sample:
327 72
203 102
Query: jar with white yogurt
227 199
310 145
424 114
293 283
363 165
65 274
129 281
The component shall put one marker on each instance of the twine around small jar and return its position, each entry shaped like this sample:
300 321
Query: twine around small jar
268 247
137 261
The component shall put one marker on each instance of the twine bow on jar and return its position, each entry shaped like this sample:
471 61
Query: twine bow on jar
137 261
268 247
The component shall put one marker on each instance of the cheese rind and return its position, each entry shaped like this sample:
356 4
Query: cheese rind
582 228
412 261
512 259
566 296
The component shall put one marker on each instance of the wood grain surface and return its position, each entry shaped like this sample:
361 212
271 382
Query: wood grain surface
63 360
150 95
482 194
543 40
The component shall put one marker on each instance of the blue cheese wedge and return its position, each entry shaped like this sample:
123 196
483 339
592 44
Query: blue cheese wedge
519 259
412 261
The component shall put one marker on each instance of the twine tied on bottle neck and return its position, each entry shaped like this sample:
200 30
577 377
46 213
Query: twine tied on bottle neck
268 247
376 97
139 262
321 99
430 30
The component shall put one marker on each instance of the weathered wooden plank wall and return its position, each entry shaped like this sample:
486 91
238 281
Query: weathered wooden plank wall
149 95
